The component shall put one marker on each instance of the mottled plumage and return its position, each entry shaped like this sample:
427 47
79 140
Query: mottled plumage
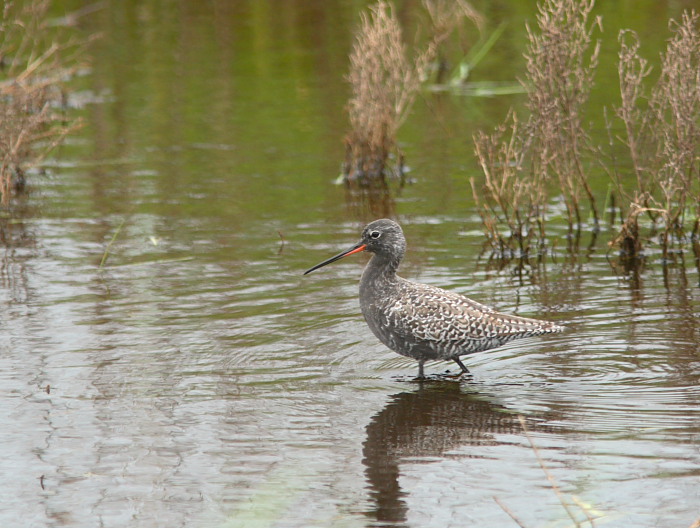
422 321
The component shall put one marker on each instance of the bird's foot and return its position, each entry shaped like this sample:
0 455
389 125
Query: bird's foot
462 374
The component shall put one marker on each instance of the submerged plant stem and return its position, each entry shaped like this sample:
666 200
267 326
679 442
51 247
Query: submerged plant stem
550 477
109 246
509 512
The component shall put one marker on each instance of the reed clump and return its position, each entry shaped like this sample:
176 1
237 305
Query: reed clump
527 164
512 200
448 17
385 77
384 85
561 61
523 161
662 135
35 63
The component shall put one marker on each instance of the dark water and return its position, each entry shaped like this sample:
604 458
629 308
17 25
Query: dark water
199 379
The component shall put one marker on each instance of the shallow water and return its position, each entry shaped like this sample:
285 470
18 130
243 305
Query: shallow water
198 379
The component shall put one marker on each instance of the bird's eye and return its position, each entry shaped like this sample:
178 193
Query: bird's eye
375 234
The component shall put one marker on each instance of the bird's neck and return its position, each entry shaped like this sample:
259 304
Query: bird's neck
380 271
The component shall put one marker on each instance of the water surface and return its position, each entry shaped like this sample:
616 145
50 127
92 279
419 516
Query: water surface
198 379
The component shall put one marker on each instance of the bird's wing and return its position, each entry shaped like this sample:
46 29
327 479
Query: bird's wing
432 314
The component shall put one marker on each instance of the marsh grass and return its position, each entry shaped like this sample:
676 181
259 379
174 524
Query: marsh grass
385 77
35 63
662 135
523 160
561 60
511 202
529 164
445 19
384 83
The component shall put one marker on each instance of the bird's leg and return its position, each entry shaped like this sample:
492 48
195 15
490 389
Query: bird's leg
420 369
465 370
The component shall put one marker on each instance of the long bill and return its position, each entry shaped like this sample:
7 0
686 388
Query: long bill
351 251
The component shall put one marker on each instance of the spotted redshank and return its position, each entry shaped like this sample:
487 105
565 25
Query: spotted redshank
421 321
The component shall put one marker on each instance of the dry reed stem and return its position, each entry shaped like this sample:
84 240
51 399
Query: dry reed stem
34 70
550 478
584 508
511 196
551 145
448 15
553 484
384 85
632 71
385 81
509 512
560 70
661 133
663 138
675 102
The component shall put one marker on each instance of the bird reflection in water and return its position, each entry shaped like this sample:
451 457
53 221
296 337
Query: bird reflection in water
428 422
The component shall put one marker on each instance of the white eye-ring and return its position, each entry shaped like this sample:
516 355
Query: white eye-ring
375 234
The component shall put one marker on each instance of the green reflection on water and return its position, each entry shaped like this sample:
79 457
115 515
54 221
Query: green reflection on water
235 110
